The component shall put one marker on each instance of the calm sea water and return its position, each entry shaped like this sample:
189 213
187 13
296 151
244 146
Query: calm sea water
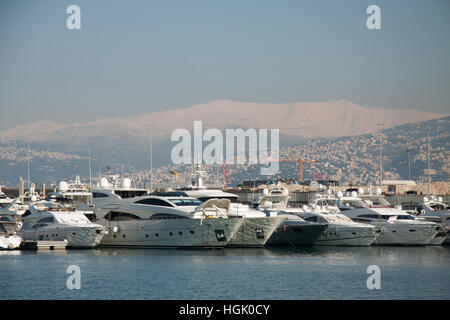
285 273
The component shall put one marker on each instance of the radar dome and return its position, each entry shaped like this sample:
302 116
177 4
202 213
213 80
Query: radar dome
305 208
63 186
360 191
440 199
126 183
103 183
265 191
340 194
354 194
286 192
425 199
33 198
378 191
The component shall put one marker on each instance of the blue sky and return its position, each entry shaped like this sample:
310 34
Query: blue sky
141 56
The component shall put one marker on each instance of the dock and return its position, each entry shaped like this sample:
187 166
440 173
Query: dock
43 245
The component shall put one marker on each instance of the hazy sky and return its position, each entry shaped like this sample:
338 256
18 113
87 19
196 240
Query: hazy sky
141 56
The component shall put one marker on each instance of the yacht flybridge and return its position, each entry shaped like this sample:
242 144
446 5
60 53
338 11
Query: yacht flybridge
154 221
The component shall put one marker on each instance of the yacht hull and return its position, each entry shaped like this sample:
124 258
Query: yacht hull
296 234
255 232
170 233
346 236
395 234
76 236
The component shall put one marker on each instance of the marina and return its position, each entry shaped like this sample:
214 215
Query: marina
224 150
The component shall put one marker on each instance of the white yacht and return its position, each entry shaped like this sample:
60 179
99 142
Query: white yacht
257 227
396 227
435 210
47 220
341 230
4 199
16 207
155 221
294 231
9 239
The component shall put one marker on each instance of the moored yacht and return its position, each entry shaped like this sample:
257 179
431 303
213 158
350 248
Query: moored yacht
396 227
257 227
294 231
47 220
16 207
4 199
435 210
9 239
341 230
174 222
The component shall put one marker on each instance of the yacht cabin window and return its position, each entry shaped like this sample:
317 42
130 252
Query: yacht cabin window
405 217
186 202
47 220
121 216
154 202
99 195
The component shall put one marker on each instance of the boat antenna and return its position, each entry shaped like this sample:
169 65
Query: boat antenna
90 170
429 175
131 170
151 157
28 164
381 159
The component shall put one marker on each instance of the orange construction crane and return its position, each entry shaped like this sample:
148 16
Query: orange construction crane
300 165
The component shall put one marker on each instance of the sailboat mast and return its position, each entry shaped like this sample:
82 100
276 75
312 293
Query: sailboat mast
151 158
429 175
28 164
90 170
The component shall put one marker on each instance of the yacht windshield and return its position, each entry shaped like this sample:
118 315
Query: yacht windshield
186 202
378 201
353 203
326 202
405 217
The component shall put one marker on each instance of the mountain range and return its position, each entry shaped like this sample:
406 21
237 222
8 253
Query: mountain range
59 150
